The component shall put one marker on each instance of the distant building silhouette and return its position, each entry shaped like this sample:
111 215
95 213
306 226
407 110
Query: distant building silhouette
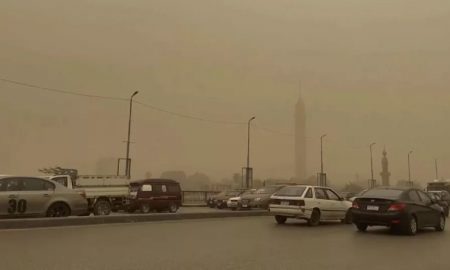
385 174
300 139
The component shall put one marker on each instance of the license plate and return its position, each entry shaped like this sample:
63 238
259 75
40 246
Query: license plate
284 203
373 208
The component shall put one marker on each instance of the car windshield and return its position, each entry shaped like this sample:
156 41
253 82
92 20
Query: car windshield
383 193
291 191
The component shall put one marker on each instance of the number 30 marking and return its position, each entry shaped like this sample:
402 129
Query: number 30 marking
14 206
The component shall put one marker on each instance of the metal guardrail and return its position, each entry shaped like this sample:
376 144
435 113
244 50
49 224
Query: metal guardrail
197 197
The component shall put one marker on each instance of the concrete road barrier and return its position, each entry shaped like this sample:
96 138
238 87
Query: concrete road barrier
96 220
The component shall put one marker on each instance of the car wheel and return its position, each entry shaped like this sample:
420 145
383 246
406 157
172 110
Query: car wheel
102 208
441 226
173 208
411 226
58 210
361 227
280 219
348 217
315 218
145 208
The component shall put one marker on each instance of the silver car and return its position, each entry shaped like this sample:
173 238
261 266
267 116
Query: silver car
32 196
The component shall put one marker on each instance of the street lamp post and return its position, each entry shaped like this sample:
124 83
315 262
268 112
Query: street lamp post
247 174
436 167
322 178
409 168
128 161
372 181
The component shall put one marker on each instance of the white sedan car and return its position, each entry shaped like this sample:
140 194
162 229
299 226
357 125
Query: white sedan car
311 203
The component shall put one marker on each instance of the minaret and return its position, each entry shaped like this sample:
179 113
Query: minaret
300 140
385 174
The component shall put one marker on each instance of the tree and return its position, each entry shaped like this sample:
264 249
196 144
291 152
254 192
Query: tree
73 173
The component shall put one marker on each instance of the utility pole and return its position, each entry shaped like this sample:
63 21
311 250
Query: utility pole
128 161
372 181
249 172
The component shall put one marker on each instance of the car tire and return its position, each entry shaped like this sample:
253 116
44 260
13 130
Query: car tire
348 217
315 218
58 210
441 226
102 208
362 227
145 208
280 219
173 208
411 227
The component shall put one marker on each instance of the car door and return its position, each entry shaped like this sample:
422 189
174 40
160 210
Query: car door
322 202
338 208
35 196
431 212
9 196
419 208
9 193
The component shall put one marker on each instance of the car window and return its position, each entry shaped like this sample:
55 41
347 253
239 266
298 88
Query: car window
309 194
413 196
33 184
147 187
332 195
424 197
291 191
12 184
3 184
320 194
385 193
173 188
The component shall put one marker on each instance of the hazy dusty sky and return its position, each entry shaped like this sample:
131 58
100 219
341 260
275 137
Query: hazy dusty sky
370 71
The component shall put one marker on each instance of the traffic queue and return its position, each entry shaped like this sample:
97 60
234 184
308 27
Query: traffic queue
402 209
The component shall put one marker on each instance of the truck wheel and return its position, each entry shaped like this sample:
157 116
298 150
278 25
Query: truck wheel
173 208
102 208
58 210
145 208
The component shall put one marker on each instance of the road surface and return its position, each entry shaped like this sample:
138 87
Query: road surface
230 243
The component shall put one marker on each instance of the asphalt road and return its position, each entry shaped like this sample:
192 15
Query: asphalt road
231 243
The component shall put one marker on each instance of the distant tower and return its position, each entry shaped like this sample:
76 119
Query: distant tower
385 174
300 140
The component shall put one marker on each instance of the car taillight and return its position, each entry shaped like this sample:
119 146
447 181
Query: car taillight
355 205
396 207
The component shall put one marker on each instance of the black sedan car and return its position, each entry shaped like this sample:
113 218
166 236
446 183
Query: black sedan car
403 209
